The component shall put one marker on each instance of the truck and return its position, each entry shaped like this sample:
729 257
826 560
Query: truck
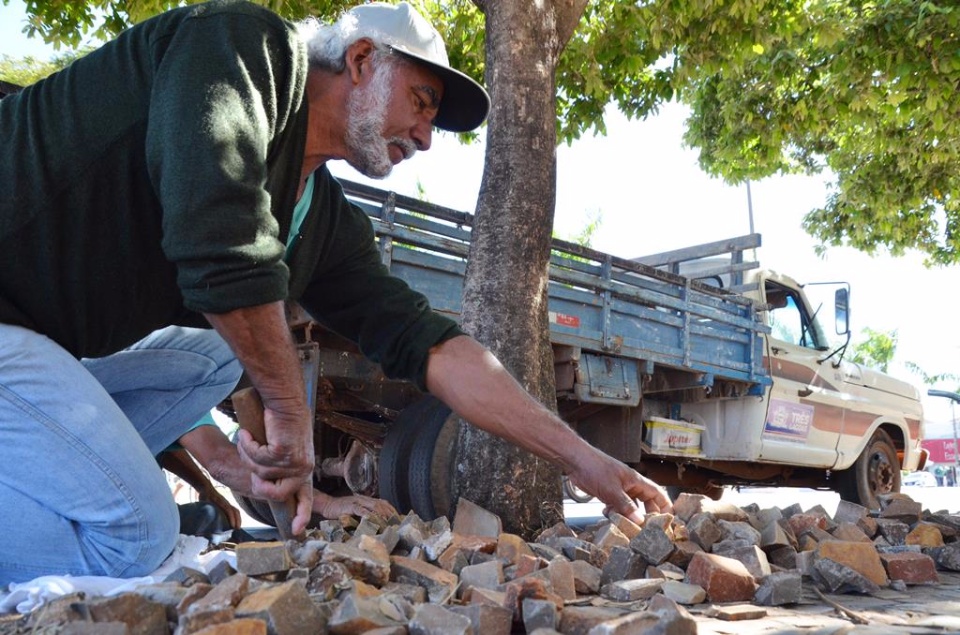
695 366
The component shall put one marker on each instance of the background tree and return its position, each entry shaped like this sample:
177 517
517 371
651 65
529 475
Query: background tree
863 89
877 349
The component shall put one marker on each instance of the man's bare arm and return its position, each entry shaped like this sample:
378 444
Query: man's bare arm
261 340
469 379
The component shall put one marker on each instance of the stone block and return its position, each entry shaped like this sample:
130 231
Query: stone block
752 557
784 557
286 608
327 579
487 619
683 593
626 526
893 531
140 614
510 547
369 563
632 590
800 523
683 553
653 544
737 613
227 594
849 512
242 626
431 619
704 530
835 577
440 584
609 537
901 508
861 557
946 557
355 615
623 564
586 577
925 535
724 579
578 620
688 505
539 614
516 591
562 581
260 558
780 588
90 628
197 620
911 568
773 536
472 520
487 575
187 576
851 532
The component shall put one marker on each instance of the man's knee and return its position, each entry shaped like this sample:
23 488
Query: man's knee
144 547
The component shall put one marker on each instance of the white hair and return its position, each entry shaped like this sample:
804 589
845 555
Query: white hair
327 43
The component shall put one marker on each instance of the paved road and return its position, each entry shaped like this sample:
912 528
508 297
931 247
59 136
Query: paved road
932 498
920 610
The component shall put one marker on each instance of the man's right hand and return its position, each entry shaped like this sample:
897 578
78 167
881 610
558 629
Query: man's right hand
282 466
285 461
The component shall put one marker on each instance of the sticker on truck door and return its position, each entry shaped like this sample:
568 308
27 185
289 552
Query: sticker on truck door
788 421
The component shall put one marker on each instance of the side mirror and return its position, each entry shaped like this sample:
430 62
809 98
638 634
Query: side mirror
841 303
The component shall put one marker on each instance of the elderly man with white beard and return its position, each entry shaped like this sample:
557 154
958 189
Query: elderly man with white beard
177 176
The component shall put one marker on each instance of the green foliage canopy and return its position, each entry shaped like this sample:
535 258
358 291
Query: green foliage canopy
864 89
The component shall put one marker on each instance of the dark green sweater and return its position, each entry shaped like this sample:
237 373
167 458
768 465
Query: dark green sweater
156 177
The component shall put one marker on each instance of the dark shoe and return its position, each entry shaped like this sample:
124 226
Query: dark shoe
202 519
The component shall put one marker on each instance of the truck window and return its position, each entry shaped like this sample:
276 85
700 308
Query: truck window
788 319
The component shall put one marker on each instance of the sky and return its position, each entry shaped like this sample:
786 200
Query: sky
652 197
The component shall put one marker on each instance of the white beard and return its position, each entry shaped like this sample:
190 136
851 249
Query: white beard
367 149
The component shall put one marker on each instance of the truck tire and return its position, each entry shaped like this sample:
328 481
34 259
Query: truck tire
257 509
430 472
877 471
574 493
410 467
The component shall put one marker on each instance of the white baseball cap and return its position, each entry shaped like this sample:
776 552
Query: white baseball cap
465 103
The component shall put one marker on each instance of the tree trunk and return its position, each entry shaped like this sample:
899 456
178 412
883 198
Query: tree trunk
505 295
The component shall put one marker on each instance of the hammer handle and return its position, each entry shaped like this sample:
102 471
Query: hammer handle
249 408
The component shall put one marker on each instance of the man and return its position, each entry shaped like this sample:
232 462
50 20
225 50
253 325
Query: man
176 174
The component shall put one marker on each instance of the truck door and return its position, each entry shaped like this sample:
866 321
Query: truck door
805 413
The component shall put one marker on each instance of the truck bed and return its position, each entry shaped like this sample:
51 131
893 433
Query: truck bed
598 303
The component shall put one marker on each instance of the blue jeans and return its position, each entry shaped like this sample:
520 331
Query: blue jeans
80 490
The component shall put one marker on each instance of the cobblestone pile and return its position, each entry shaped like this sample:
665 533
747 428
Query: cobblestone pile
407 575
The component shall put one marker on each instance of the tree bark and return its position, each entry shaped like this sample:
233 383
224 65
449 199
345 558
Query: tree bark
505 294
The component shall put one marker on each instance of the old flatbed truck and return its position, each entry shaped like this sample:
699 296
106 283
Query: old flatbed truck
722 378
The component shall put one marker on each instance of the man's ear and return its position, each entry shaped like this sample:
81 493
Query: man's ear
358 58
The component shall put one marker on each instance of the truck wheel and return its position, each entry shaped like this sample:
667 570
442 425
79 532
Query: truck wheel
255 508
430 472
413 474
574 493
877 471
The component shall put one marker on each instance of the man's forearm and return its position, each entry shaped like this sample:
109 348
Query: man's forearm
261 340
469 379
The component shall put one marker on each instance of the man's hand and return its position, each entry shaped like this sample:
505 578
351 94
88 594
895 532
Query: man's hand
618 485
283 466
335 506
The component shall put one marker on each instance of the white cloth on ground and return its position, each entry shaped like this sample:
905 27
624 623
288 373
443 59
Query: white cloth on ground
24 597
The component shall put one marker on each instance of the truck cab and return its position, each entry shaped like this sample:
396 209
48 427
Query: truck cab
824 421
